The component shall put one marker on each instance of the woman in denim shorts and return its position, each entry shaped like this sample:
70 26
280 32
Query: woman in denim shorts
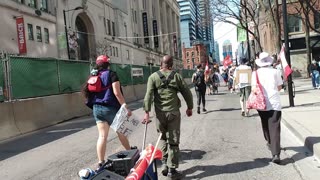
105 104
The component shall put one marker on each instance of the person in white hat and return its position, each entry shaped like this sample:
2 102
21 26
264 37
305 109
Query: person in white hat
271 82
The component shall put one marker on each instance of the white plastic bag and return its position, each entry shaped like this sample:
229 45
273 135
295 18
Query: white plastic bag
123 123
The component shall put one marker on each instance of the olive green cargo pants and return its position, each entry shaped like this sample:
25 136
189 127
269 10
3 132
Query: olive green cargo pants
168 123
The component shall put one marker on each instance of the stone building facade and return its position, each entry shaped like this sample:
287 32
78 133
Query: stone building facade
130 32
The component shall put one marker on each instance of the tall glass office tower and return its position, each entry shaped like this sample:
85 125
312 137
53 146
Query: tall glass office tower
196 24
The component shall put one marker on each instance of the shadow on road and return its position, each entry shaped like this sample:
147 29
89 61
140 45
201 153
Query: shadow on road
301 150
224 109
303 105
26 142
188 154
212 170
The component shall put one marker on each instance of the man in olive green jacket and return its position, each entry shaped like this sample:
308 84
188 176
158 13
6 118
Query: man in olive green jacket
162 89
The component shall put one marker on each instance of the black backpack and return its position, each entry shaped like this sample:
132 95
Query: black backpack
199 79
166 81
215 78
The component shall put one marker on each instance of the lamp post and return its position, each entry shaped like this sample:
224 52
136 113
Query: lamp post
287 50
65 27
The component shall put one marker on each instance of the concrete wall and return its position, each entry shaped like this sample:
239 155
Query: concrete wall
24 116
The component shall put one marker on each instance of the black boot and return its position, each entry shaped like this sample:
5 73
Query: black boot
198 111
276 159
174 174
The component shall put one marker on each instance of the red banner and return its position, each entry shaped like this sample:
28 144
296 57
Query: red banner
22 44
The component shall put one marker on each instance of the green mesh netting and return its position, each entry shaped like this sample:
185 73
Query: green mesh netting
186 73
31 77
123 72
1 81
34 77
73 74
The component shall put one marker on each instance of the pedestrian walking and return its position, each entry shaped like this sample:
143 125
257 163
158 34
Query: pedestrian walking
242 79
162 89
314 70
271 82
105 104
198 79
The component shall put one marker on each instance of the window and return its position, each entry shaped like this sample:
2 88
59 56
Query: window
128 54
192 60
132 13
30 32
187 54
46 35
113 29
33 3
39 36
192 54
126 32
114 51
135 16
188 60
317 20
109 26
117 52
44 5
294 23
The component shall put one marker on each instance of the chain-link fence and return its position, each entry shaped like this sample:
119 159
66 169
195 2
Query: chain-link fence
26 77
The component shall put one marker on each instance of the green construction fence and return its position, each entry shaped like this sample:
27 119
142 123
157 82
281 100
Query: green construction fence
36 77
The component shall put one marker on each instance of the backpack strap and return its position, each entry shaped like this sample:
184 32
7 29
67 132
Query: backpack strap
166 81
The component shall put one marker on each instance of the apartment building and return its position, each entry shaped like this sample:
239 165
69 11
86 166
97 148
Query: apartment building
138 32
297 34
197 54
130 32
28 28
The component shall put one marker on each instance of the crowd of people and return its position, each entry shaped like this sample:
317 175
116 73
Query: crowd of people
163 87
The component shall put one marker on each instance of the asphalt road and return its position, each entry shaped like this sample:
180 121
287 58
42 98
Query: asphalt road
219 144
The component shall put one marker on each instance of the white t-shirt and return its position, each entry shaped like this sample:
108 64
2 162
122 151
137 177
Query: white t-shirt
270 79
242 67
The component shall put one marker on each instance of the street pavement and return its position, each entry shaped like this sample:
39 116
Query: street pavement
218 144
304 118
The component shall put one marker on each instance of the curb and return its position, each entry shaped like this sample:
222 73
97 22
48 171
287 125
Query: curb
309 142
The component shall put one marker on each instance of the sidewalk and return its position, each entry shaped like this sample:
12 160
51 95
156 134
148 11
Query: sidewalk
304 118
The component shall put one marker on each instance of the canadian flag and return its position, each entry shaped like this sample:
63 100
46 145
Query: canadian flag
207 68
286 68
227 61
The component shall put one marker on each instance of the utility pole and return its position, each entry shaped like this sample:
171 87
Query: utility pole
306 13
66 31
287 50
247 30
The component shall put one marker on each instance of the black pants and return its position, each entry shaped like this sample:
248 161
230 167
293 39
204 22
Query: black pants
270 121
201 96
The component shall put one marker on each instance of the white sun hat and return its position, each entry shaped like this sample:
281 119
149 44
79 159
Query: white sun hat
264 60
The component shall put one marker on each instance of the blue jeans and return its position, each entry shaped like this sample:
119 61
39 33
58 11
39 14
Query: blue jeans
315 78
104 113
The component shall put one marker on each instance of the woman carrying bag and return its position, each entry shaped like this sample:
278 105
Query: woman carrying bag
266 84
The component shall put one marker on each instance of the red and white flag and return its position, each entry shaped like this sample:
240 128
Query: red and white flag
227 61
207 68
286 68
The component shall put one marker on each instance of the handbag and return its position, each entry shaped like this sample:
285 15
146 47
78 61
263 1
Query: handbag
256 100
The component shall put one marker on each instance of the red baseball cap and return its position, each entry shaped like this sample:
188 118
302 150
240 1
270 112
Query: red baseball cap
102 59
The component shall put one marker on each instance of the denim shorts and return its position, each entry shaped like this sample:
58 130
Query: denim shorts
104 113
